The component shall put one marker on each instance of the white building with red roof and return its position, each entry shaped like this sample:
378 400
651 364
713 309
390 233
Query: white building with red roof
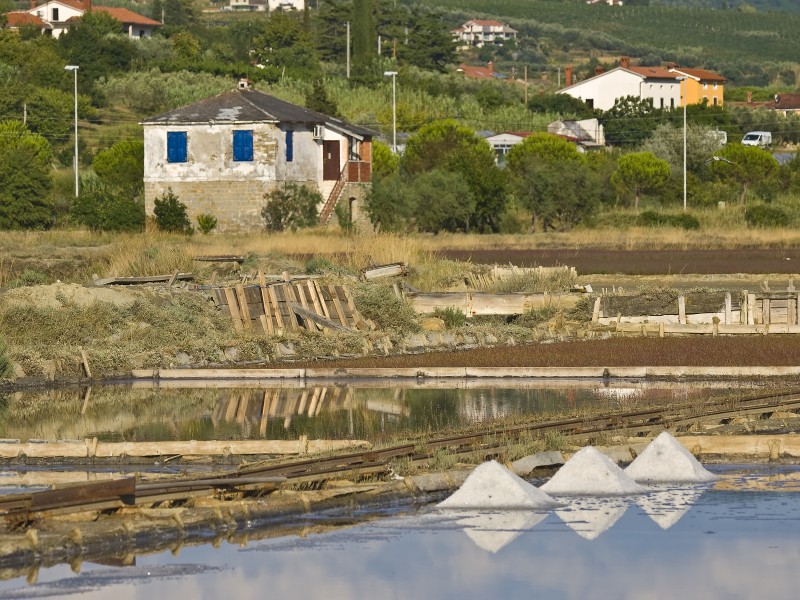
57 15
478 33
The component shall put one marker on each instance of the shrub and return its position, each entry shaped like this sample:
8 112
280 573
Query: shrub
171 214
206 223
763 215
651 218
29 277
451 316
379 303
535 316
101 207
291 207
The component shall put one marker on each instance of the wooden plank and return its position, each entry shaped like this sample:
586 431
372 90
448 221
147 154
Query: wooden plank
243 307
273 300
322 302
233 306
172 279
682 309
118 489
312 292
289 318
727 308
390 270
320 320
751 309
596 310
265 302
358 319
337 305
262 428
765 311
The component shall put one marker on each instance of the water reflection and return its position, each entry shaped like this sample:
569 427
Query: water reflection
227 410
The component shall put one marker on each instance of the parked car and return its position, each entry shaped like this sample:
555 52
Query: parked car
762 139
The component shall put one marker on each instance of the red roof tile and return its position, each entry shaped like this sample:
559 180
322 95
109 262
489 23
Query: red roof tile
652 72
19 18
701 74
123 15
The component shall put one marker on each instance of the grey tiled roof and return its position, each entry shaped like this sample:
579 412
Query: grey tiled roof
250 106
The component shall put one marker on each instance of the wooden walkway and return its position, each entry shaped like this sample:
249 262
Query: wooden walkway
291 306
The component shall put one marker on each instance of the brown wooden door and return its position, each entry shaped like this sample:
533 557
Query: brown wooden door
330 160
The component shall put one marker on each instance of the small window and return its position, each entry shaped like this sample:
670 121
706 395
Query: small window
672 103
716 101
705 86
352 147
176 146
715 86
55 14
662 103
141 33
590 102
289 146
243 145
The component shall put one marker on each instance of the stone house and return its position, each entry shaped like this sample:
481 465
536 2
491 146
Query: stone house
221 155
57 15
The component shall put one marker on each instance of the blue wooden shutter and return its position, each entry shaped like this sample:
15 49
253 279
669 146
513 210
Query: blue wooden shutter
243 145
289 145
176 146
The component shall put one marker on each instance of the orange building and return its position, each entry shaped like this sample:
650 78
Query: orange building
701 85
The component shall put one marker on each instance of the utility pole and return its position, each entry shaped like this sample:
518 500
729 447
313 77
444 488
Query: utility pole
348 49
526 85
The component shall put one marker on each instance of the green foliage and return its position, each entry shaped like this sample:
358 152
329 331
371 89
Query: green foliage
448 146
385 163
317 100
291 207
764 215
29 277
746 165
452 317
206 223
364 34
103 207
97 44
379 303
638 173
152 91
667 144
180 13
171 215
25 180
630 121
122 166
651 218
389 204
550 178
344 216
560 104
442 202
286 48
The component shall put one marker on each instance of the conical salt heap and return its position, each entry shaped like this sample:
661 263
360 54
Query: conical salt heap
666 460
491 485
591 473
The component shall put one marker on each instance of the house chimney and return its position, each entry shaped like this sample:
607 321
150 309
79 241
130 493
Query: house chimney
33 3
87 4
749 97
625 62
672 65
568 75
598 70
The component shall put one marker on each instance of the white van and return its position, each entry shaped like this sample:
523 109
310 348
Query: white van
762 139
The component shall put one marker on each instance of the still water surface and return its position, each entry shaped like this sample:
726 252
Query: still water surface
685 543
230 411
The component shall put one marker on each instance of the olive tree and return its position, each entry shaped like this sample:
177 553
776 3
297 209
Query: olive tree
638 173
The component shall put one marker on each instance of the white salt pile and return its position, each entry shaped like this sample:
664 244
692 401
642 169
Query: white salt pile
666 460
589 517
493 530
491 485
666 507
590 472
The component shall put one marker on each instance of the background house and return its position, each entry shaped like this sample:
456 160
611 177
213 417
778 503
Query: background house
56 16
663 86
587 134
221 156
478 33
701 85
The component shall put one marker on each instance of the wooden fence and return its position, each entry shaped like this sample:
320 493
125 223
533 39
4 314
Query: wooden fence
290 306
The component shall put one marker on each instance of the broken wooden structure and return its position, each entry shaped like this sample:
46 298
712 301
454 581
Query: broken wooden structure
168 279
291 305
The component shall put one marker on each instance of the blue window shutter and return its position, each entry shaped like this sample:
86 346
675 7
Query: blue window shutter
243 145
176 146
289 145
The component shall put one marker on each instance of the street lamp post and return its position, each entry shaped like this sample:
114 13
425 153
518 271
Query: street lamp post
74 69
682 80
393 75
